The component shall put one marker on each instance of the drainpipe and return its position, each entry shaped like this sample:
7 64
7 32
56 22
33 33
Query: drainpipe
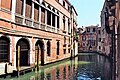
112 5
114 50
114 38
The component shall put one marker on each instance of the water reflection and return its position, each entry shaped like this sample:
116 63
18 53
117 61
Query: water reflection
100 69
84 67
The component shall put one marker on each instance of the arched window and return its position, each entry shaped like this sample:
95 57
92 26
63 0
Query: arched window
49 7
39 52
4 49
43 4
24 52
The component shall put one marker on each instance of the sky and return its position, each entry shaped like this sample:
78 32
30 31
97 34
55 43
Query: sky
88 11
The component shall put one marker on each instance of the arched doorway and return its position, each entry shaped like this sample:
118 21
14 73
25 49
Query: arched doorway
4 49
58 47
48 48
39 52
24 52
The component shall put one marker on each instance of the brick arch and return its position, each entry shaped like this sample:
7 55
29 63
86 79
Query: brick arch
39 52
24 52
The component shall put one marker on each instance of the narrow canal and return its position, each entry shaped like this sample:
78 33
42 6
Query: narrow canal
83 67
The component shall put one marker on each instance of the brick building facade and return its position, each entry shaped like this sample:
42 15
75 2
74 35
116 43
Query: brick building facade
88 39
34 32
112 26
105 35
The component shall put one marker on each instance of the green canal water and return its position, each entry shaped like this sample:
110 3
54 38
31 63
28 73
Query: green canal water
83 67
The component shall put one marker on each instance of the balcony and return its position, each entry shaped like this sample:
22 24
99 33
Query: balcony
21 20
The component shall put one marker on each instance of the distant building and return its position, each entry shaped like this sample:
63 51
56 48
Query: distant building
88 39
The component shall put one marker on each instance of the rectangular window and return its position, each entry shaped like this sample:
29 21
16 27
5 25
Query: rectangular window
89 42
99 39
36 12
88 29
68 27
69 50
28 10
64 51
94 30
99 32
19 7
58 22
83 44
48 17
68 8
83 38
63 3
93 42
64 40
42 15
53 19
64 24
99 47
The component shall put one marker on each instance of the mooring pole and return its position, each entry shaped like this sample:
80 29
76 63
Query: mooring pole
18 63
38 52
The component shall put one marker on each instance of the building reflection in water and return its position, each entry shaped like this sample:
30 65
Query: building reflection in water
88 67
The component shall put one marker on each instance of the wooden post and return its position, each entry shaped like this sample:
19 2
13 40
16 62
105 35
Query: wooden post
38 48
18 65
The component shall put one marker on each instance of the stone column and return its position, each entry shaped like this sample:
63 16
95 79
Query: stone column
45 51
11 54
39 16
30 57
32 14
24 7
45 18
13 10
51 21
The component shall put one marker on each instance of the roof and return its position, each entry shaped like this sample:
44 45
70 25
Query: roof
74 10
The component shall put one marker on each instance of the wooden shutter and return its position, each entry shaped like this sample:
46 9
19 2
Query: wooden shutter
28 10
4 49
42 15
19 6
36 12
6 4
